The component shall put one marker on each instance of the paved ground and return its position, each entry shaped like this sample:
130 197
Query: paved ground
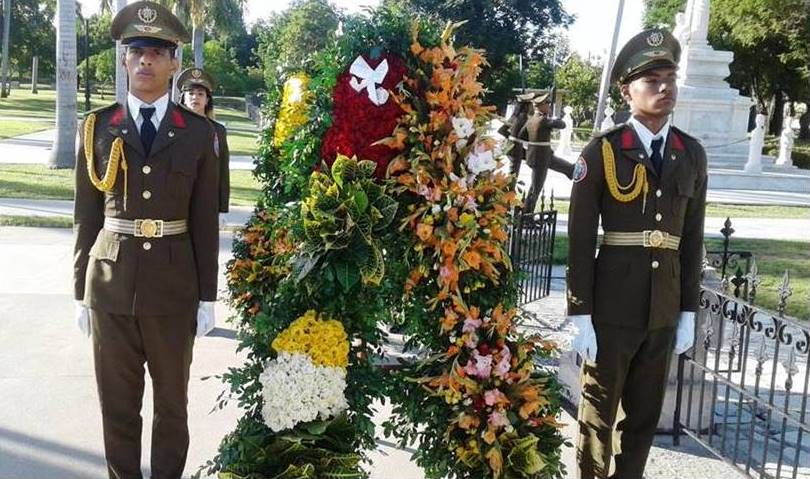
49 417
763 228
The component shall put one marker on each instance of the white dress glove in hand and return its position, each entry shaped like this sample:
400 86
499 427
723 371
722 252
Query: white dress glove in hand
205 318
584 337
82 315
685 334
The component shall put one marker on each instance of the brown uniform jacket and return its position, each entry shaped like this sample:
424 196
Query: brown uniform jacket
224 155
634 286
123 274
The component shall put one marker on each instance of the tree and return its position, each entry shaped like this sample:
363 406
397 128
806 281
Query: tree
580 80
64 153
6 28
503 29
662 12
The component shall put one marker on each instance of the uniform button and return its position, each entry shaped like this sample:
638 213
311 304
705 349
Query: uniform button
655 265
146 169
658 217
147 246
658 193
146 194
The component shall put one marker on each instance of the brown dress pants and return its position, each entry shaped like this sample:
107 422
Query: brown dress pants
631 367
122 344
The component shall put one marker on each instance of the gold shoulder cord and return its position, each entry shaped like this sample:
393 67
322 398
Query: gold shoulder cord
116 156
622 193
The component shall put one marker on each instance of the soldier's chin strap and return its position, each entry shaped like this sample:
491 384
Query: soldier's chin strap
529 143
117 156
624 193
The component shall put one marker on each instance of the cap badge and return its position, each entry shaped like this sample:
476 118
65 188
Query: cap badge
655 39
147 14
196 73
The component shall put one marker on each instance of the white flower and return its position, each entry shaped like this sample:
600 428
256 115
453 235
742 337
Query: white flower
480 160
463 127
318 391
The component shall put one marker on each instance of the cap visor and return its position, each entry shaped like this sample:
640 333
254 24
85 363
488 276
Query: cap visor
148 42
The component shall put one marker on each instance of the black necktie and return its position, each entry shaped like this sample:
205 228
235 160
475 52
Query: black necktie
657 159
148 131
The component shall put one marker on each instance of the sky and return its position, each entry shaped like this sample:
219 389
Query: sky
590 33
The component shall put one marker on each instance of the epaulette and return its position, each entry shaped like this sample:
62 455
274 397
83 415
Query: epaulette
186 109
607 132
102 109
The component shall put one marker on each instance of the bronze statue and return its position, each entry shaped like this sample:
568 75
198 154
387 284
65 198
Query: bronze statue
534 134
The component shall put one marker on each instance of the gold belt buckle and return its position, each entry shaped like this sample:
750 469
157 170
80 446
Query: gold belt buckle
654 239
149 228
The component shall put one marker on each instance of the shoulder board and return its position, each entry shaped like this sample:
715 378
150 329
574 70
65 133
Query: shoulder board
607 132
103 109
191 112
684 134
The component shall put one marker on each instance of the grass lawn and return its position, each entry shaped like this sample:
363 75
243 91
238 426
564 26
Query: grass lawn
40 182
37 221
12 128
23 103
722 210
772 257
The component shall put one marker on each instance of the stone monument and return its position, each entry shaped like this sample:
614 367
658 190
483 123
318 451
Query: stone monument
708 107
754 163
786 140
564 149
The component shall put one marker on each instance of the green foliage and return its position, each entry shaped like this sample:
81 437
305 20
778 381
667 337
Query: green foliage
580 80
102 68
659 13
504 29
32 34
220 61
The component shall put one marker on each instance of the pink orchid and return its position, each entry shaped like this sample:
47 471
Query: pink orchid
493 396
502 368
471 324
471 341
498 419
480 366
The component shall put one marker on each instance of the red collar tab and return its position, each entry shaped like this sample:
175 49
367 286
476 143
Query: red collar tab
677 142
627 139
117 116
177 119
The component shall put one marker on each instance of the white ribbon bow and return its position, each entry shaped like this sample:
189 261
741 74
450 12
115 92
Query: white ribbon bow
369 78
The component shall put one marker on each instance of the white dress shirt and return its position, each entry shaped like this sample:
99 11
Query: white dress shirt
647 137
160 105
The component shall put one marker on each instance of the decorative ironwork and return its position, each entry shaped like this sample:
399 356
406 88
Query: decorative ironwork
743 393
531 248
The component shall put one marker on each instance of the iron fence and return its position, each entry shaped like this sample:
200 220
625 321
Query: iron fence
742 391
531 249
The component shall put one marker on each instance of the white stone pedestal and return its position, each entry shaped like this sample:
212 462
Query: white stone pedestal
709 109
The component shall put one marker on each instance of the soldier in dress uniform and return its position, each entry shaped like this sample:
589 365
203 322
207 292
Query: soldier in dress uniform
147 240
636 301
196 93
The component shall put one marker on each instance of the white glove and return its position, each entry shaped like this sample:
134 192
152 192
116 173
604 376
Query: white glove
585 337
82 315
685 334
205 318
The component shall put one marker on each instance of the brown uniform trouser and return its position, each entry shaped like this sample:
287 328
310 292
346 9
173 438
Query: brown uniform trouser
631 366
121 346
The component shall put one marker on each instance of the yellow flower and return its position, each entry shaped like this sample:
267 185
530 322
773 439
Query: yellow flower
324 340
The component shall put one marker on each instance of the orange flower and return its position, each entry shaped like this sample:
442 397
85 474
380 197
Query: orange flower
467 422
495 462
472 258
489 436
449 249
449 320
424 231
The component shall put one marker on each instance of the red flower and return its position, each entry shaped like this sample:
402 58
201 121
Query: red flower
357 122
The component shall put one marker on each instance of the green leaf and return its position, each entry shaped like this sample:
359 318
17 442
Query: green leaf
346 274
366 168
361 199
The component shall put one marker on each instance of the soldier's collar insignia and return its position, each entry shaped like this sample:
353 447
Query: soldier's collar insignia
677 143
655 39
147 14
117 116
628 142
177 119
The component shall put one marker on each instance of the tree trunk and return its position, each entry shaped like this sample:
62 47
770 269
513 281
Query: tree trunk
197 38
175 92
777 115
120 71
64 153
35 75
4 88
804 126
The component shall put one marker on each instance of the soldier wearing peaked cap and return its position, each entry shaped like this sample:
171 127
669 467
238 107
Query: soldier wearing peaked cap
196 93
634 302
146 245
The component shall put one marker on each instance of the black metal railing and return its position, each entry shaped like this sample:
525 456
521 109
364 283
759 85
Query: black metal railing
742 391
531 249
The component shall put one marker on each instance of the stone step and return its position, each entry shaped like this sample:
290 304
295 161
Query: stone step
796 181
